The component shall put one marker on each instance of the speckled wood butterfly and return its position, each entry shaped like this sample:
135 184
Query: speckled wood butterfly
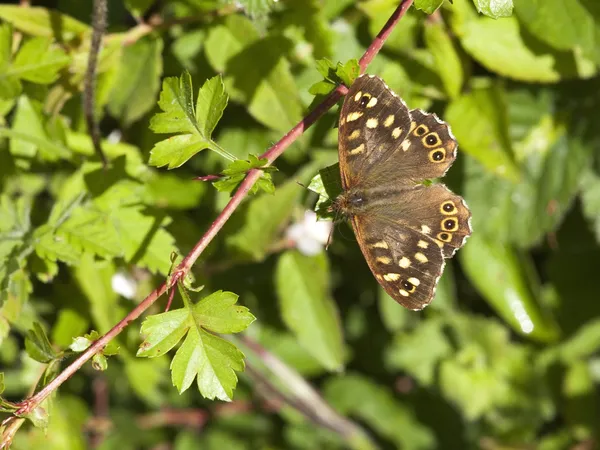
405 229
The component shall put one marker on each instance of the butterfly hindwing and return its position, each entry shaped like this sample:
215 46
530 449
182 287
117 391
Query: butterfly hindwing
436 212
407 264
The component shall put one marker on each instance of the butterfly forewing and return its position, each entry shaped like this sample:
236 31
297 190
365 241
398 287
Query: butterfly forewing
373 120
404 229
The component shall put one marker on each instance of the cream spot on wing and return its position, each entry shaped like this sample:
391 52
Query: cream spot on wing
422 244
384 259
379 277
372 102
354 116
342 121
391 276
403 292
439 243
414 281
405 144
358 96
421 257
380 244
357 150
389 120
425 229
396 132
372 123
413 125
404 262
354 135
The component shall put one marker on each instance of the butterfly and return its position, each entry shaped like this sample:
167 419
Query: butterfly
405 229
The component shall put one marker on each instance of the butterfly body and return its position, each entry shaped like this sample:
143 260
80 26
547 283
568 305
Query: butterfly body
405 229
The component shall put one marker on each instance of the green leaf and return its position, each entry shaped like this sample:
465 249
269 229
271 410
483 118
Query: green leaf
494 8
225 41
420 351
503 47
38 346
339 73
143 238
428 6
552 166
257 73
212 101
237 171
44 22
307 308
377 407
328 184
179 116
308 18
590 198
134 96
480 123
446 57
203 355
513 297
138 7
565 25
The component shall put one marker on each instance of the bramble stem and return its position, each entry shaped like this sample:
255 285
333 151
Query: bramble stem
29 404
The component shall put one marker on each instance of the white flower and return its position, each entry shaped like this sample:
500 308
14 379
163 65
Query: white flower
309 235
123 284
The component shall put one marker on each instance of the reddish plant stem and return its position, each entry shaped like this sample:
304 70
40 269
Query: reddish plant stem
271 155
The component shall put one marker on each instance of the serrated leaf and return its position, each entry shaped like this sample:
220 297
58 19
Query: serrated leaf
38 346
205 356
217 313
307 308
90 231
179 116
137 80
212 101
54 248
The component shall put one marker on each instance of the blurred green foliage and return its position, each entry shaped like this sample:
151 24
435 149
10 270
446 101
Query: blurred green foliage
506 356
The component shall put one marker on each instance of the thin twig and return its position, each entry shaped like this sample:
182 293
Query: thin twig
271 155
89 91
302 396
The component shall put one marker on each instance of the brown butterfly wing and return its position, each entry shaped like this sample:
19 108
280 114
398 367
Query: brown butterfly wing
408 272
381 141
405 230
373 121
